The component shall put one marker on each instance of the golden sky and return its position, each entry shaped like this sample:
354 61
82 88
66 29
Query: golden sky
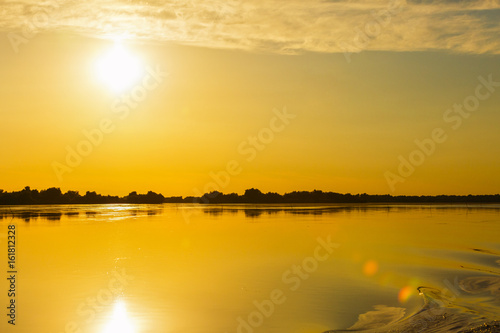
182 97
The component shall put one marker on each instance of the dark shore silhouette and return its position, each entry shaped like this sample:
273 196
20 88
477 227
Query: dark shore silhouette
54 195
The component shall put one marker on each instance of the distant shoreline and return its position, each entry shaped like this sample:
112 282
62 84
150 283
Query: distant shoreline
53 195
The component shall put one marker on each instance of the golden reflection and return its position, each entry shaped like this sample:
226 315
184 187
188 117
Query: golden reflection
120 321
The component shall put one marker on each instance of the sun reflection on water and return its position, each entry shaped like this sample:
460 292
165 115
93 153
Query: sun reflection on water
120 321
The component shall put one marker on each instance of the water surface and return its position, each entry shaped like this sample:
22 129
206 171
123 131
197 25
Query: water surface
253 268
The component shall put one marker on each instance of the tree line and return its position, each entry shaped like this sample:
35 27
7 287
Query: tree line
54 195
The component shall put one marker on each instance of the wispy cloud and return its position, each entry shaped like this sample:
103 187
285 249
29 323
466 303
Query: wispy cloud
290 26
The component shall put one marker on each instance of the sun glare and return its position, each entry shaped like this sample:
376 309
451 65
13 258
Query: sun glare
120 321
119 69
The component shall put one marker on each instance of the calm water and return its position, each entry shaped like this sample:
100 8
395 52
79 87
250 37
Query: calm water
245 269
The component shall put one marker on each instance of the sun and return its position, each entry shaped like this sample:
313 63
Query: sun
119 69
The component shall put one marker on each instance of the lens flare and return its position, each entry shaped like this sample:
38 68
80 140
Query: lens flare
370 268
404 294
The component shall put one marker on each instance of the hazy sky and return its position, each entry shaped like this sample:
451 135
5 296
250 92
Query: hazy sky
397 97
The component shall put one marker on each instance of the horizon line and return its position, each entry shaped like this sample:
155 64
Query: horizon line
252 188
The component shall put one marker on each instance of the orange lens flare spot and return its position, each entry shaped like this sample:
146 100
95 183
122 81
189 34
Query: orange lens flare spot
404 294
370 268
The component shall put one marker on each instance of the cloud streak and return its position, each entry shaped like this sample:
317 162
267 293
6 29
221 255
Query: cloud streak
292 26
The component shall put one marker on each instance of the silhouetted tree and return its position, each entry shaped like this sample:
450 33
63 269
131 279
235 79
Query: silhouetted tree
51 195
253 196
